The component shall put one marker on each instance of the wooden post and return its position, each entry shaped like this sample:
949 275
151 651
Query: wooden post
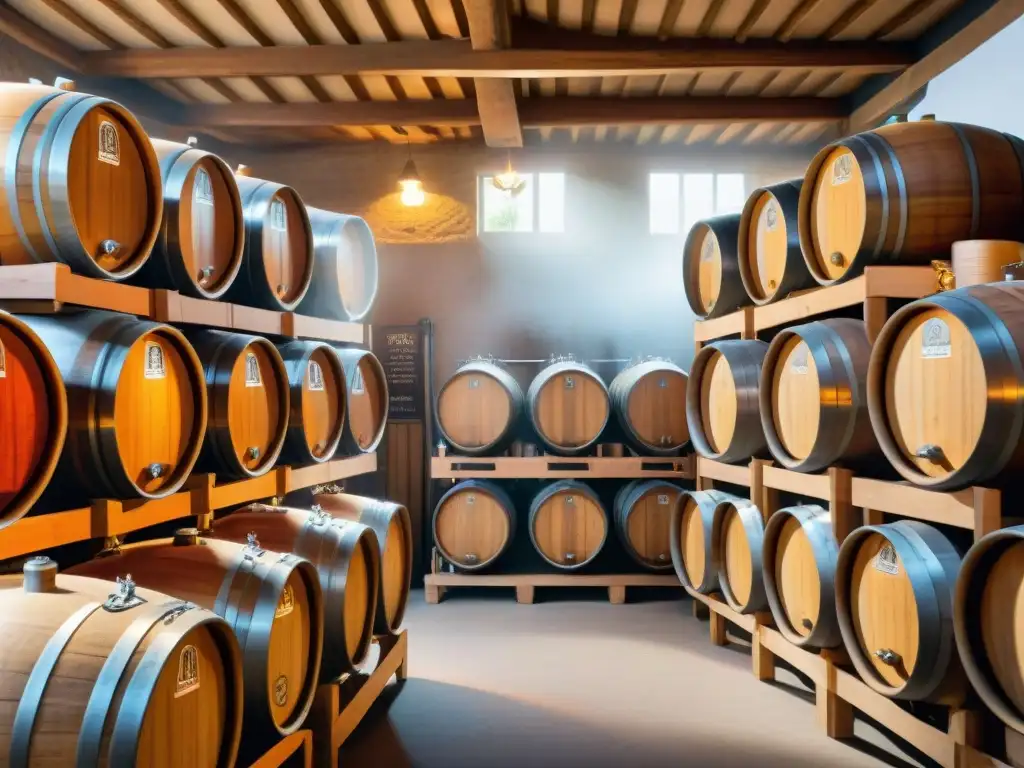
840 507
966 726
987 511
763 659
524 594
700 611
432 593
834 714
718 636
876 312
765 499
617 594
873 516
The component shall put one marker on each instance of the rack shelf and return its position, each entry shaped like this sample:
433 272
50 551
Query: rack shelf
526 467
435 584
300 742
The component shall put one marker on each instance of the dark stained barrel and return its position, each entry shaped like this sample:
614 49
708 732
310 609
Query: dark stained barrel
771 263
81 182
649 401
711 270
474 524
737 535
344 281
479 407
316 417
569 406
366 401
642 512
568 524
693 557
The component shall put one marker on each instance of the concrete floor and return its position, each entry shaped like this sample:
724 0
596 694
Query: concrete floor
580 682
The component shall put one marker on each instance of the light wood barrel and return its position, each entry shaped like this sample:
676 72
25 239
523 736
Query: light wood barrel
771 264
813 396
642 512
569 406
271 600
737 537
693 557
366 401
393 526
33 418
347 560
110 674
277 263
798 560
81 183
479 407
722 409
941 386
568 524
649 401
474 524
711 269
879 198
344 281
894 596
316 419
136 404
247 392
981 261
199 250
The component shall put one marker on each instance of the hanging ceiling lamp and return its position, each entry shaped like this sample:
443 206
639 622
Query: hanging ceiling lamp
508 181
409 181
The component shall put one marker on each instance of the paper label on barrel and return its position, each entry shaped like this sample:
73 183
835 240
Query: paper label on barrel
155 365
357 382
287 604
202 188
798 360
663 499
278 216
885 561
188 671
281 691
315 377
3 361
470 498
110 144
707 250
935 341
771 217
842 169
253 377
570 383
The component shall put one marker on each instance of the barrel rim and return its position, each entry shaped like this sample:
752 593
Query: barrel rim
732 295
709 583
543 496
626 379
753 526
542 379
514 397
364 538
296 356
625 501
344 220
795 275
498 495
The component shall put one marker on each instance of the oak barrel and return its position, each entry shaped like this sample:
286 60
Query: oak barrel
202 236
474 524
271 600
33 418
798 561
813 396
104 673
694 559
711 270
982 261
366 401
247 392
642 512
277 263
393 526
771 263
136 404
649 401
81 182
316 418
479 407
894 586
347 560
944 386
569 406
879 197
568 524
737 537
344 281
722 410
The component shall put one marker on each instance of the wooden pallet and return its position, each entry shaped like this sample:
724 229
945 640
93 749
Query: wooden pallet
436 584
299 743
545 467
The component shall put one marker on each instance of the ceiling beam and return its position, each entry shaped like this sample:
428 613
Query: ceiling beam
441 112
20 29
489 30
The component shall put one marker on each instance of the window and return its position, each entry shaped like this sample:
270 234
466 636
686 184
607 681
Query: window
678 201
538 207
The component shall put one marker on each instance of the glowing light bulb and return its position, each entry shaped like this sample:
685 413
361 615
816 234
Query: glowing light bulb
412 192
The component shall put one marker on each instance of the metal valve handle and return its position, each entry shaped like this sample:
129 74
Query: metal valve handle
253 452
807 624
930 452
282 289
109 247
888 656
470 559
155 470
205 274
837 259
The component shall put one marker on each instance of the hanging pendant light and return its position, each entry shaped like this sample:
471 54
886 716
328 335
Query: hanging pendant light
409 180
509 181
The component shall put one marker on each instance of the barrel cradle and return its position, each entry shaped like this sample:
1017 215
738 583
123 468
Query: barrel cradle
690 539
569 406
473 524
479 407
568 524
344 283
737 539
316 418
80 183
642 513
649 401
366 401
711 270
768 250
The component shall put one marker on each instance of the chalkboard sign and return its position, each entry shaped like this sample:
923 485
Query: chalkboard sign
400 350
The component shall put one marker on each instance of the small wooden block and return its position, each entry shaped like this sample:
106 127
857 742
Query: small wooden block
718 629
432 593
524 594
873 516
617 595
966 726
700 611
987 511
763 659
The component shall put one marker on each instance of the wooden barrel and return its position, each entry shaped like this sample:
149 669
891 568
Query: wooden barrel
737 536
642 512
272 602
247 392
347 560
316 418
344 267
693 558
114 674
33 418
711 270
393 526
813 396
569 406
366 401
942 386
878 197
982 261
82 183
894 586
199 250
474 524
277 263
771 264
136 404
798 560
568 524
722 411
479 407
649 401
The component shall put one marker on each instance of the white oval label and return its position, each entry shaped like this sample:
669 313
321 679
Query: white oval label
842 169
771 217
798 360
935 340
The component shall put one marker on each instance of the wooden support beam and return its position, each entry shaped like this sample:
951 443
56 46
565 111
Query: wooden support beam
489 30
18 28
441 112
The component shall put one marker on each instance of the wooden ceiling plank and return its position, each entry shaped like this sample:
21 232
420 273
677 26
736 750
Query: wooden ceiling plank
710 16
124 13
305 29
246 22
795 18
440 112
753 16
186 18
495 100
35 38
589 10
74 17
901 18
669 18
626 15
848 17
